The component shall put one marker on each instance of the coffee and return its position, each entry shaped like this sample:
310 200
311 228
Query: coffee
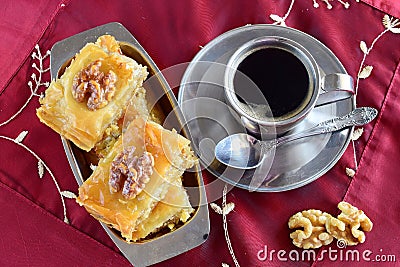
280 76
272 83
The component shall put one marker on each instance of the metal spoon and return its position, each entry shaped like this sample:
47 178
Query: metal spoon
244 151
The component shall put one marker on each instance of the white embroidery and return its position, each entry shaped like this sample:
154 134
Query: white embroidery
21 137
45 167
357 134
37 81
216 208
281 20
68 194
35 84
224 211
278 20
391 23
40 169
329 5
365 71
350 172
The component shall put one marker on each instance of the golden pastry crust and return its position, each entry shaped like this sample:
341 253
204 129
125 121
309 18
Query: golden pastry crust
172 209
74 120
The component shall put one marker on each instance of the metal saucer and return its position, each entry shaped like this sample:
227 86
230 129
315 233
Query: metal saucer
209 119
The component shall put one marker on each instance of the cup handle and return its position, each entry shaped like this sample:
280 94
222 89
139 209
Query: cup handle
337 86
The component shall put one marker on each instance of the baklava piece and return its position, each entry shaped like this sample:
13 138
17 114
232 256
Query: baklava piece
137 187
92 93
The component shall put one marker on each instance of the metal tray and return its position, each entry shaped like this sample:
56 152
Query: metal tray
196 230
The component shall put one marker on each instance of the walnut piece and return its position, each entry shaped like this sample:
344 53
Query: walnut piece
134 172
349 225
95 86
313 233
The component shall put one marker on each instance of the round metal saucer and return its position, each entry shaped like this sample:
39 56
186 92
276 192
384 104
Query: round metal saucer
209 119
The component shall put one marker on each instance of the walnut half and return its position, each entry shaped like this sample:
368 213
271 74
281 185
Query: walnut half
131 171
349 225
95 86
312 232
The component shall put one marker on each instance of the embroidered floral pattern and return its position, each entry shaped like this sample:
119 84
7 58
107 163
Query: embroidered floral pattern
281 20
365 71
330 6
36 82
224 211
34 85
390 25
278 20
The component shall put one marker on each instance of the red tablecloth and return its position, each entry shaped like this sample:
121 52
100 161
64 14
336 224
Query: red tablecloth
32 229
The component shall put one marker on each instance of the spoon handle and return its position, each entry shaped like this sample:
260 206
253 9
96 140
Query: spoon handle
357 117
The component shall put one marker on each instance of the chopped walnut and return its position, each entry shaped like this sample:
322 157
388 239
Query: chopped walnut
350 225
131 171
313 233
95 86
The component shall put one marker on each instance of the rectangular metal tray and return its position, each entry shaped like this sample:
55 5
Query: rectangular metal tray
196 230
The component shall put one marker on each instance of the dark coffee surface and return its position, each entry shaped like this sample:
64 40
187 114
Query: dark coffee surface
281 77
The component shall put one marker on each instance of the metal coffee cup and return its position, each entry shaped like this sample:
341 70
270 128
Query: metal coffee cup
321 88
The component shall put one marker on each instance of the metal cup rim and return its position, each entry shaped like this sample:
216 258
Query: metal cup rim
277 42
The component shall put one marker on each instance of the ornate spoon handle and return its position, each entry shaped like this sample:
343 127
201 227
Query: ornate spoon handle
357 117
